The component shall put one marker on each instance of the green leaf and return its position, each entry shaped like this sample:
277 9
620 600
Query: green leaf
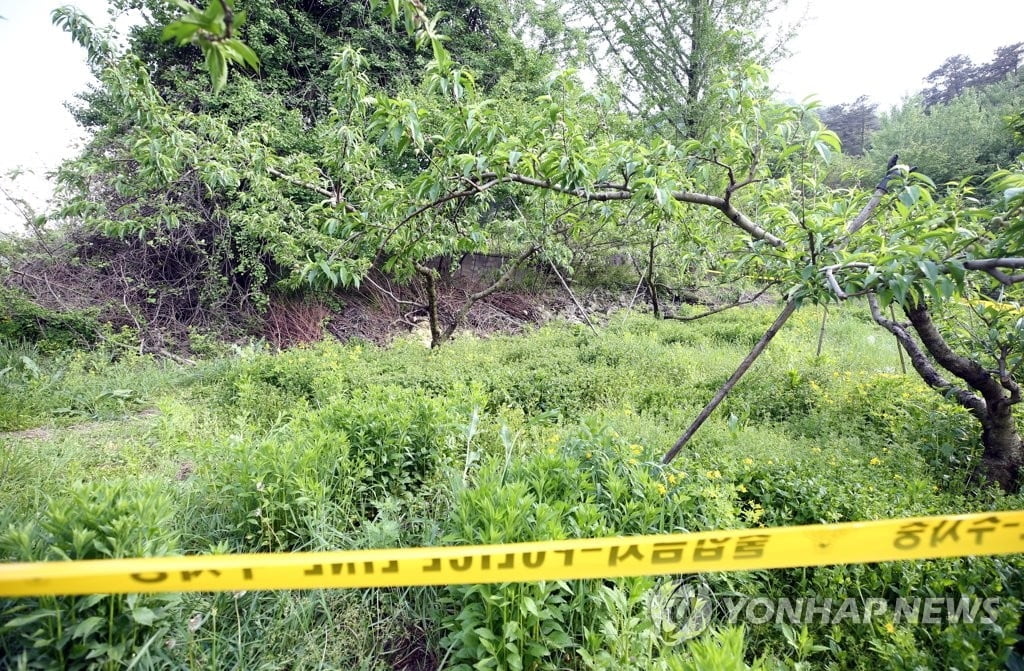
910 195
217 67
87 626
240 53
930 270
28 619
823 150
559 639
530 606
180 31
185 6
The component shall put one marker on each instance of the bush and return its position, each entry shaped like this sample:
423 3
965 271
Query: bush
328 470
23 320
102 521
588 484
553 435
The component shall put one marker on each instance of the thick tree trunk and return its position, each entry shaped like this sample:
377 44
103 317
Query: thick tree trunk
1002 460
990 398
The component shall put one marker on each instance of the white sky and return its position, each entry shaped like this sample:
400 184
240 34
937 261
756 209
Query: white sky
882 48
885 48
40 69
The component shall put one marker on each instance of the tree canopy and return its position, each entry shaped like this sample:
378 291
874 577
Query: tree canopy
390 177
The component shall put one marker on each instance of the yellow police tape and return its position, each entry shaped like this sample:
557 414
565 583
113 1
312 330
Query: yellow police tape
993 533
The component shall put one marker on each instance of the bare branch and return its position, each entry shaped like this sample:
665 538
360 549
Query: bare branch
723 308
572 296
834 284
721 204
334 197
922 365
390 294
880 190
487 291
993 266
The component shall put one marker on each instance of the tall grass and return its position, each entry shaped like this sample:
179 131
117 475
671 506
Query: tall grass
554 434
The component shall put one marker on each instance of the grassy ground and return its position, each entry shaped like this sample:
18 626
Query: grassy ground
554 434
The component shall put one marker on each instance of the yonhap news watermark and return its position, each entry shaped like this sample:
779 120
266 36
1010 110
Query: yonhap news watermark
686 607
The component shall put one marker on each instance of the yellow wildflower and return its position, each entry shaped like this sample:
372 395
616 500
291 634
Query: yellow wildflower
875 461
636 449
714 474
890 627
816 450
741 488
662 489
748 461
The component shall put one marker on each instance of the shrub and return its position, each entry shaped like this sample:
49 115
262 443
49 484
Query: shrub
101 521
592 483
23 320
329 469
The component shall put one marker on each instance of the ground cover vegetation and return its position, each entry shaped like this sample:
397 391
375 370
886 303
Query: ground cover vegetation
555 434
259 167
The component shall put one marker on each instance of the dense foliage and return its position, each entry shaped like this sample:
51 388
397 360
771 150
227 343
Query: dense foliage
957 128
341 155
553 435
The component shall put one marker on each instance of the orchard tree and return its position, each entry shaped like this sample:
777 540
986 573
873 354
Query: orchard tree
940 261
666 58
220 195
928 257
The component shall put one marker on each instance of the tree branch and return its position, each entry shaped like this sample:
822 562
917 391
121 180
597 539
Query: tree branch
992 267
723 308
430 278
487 291
880 190
572 296
923 366
334 197
967 370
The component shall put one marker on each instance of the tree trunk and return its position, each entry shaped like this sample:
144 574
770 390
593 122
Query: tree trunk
652 286
430 277
989 398
1002 460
